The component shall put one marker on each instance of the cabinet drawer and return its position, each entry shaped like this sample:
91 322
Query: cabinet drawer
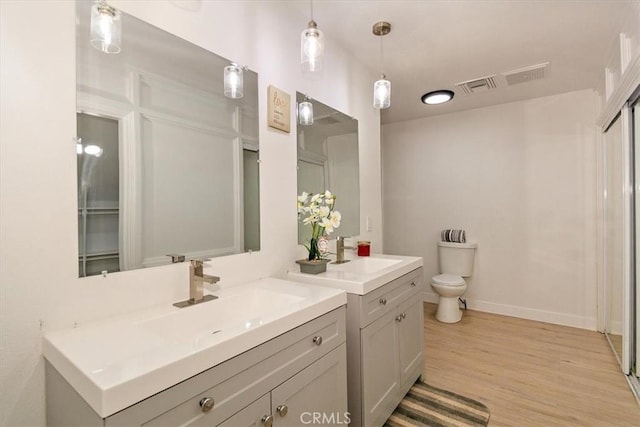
240 381
384 299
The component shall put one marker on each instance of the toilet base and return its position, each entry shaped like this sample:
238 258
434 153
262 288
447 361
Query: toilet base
448 310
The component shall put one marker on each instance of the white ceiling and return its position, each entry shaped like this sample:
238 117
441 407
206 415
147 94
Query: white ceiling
437 43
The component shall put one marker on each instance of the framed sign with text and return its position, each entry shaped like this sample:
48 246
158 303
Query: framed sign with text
279 109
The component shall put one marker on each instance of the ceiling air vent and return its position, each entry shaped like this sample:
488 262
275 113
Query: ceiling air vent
483 84
526 74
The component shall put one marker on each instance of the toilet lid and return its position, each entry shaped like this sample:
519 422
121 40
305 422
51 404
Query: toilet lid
448 280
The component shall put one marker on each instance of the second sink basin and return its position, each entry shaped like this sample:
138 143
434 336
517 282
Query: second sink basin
367 265
362 274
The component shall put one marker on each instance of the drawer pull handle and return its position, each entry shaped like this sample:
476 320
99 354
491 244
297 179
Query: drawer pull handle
206 403
267 420
282 410
399 318
383 301
404 315
413 284
317 340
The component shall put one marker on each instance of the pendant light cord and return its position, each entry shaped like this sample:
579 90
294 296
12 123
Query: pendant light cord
381 56
311 7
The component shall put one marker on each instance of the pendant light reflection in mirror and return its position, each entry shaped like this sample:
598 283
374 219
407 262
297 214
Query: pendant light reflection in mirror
382 87
233 81
312 47
305 112
106 28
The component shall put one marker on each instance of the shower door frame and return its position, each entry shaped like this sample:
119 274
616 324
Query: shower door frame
626 233
634 133
629 358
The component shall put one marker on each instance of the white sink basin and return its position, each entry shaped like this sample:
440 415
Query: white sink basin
208 319
117 362
367 265
362 274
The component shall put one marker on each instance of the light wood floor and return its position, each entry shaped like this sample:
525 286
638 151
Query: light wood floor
529 373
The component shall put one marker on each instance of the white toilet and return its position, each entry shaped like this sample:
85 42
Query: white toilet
456 262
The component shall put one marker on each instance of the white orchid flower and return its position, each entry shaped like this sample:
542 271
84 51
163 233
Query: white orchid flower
327 224
315 198
335 219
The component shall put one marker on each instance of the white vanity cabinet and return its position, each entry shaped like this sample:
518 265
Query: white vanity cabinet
275 383
385 347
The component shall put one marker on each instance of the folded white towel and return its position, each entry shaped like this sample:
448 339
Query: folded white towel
455 236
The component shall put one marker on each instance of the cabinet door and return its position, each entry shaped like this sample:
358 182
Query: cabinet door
380 373
318 392
254 415
411 336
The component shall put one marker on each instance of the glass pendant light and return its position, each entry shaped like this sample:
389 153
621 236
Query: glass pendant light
305 113
382 87
233 81
106 28
312 47
382 93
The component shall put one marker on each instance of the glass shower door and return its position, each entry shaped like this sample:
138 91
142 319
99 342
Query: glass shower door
614 230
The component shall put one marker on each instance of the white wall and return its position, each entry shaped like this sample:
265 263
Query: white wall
521 179
39 287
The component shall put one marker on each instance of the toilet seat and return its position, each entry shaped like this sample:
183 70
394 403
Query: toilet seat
448 280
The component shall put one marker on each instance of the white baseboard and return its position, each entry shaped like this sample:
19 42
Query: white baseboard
590 323
615 327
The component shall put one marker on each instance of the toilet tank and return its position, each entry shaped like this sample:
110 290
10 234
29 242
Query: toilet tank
456 258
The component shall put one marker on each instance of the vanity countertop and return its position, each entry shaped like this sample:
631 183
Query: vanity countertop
117 362
361 275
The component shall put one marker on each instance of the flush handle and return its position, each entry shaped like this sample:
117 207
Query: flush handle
282 410
383 301
206 403
317 340
267 420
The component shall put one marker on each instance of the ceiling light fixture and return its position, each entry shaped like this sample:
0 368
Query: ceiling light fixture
437 97
106 27
305 112
382 87
312 47
233 81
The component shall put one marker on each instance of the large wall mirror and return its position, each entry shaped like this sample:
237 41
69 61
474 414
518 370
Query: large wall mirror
328 160
166 163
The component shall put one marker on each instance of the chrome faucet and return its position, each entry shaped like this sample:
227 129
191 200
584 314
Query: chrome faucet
340 247
196 284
